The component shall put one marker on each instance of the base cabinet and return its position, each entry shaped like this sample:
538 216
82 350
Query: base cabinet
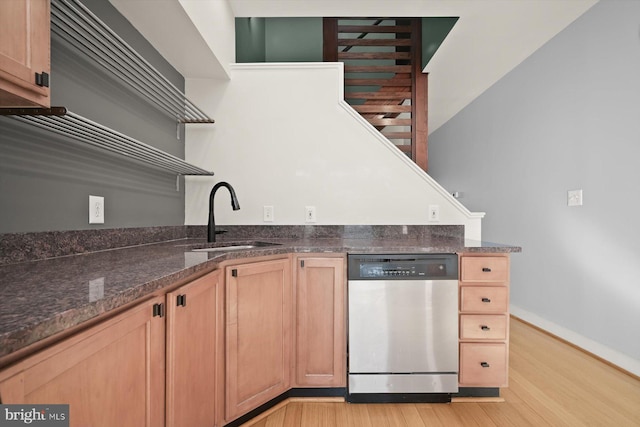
24 53
203 354
258 334
110 375
158 363
483 364
320 325
194 376
484 320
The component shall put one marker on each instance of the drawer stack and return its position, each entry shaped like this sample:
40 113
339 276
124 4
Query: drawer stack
484 320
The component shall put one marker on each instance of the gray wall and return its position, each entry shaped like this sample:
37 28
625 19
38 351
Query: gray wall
45 180
567 118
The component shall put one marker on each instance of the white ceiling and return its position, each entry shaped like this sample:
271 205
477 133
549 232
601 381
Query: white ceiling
490 38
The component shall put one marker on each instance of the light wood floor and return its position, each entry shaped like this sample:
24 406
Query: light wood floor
550 384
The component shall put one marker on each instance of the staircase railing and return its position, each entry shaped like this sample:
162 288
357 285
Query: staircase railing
383 76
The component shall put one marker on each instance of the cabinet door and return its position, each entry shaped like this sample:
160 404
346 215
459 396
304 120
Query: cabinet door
483 364
110 375
194 346
320 357
258 339
24 51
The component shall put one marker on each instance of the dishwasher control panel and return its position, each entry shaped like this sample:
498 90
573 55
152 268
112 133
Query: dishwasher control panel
403 266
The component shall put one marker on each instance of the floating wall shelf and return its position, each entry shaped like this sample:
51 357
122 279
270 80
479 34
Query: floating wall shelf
80 28
94 134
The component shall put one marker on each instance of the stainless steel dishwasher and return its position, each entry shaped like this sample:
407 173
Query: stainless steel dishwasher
403 327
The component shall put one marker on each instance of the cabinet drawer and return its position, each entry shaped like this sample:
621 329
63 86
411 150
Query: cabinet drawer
483 327
484 299
483 365
485 269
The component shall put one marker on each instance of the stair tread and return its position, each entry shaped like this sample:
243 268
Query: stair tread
374 28
374 42
374 55
377 69
377 82
380 93
382 108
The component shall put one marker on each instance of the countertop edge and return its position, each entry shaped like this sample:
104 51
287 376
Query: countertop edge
29 335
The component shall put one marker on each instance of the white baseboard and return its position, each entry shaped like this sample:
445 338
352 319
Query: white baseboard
612 356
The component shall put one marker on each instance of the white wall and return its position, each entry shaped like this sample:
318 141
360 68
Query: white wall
215 22
284 137
566 118
196 37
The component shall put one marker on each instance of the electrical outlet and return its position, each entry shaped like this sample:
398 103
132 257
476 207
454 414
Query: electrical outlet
434 212
267 213
96 210
574 198
310 213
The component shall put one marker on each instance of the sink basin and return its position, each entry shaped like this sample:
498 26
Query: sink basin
232 246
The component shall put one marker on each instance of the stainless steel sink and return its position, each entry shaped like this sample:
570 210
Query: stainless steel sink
232 246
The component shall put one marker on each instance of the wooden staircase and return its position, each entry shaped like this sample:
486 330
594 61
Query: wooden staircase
383 76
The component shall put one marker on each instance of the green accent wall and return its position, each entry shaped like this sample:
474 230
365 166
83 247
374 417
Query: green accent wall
434 31
250 40
300 39
278 40
294 39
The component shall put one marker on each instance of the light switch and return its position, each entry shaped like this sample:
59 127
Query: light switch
267 213
310 214
434 213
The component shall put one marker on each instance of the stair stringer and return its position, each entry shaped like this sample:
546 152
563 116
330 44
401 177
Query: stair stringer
471 232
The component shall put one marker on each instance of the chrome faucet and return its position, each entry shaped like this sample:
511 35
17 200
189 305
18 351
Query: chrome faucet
211 227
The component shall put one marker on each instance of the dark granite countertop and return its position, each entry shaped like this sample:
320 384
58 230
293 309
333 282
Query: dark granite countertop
44 297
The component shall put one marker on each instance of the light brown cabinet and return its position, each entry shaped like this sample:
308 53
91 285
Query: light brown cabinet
24 53
320 326
110 374
258 334
127 371
484 320
203 354
195 353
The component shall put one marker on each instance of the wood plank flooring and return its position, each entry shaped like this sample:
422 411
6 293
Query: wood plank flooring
550 384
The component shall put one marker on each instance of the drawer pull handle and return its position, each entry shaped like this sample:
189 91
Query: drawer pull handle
486 269
486 300
485 328
484 364
158 310
181 300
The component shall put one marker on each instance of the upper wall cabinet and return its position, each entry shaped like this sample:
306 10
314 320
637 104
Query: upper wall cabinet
24 53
